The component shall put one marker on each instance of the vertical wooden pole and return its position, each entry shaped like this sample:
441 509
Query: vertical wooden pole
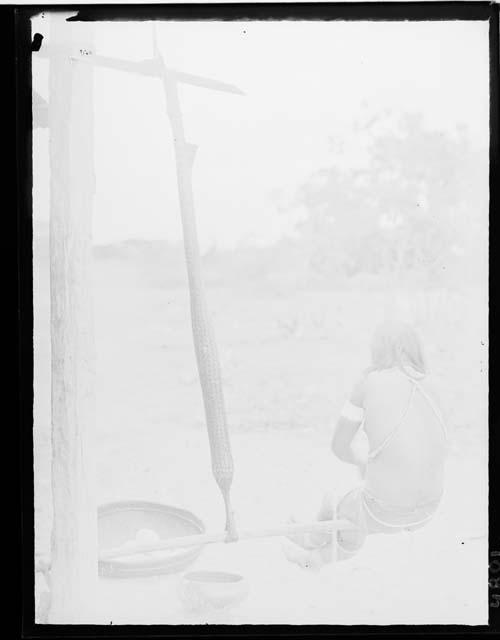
73 576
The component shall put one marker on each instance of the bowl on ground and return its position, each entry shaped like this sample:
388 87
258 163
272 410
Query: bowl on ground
212 590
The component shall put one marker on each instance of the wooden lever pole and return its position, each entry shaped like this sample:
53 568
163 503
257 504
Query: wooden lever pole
182 542
324 526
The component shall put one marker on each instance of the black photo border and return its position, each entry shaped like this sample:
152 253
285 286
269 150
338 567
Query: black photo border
17 103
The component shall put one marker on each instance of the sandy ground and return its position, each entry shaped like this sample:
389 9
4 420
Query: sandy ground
288 360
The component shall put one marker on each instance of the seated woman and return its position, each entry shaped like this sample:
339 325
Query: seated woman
403 473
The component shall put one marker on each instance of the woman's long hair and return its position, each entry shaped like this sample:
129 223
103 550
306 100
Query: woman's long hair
397 344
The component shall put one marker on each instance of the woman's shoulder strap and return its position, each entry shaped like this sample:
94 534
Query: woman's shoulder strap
434 407
375 452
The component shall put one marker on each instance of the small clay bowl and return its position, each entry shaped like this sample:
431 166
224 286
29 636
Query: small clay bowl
212 590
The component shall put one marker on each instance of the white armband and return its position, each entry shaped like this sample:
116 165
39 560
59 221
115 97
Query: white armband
352 412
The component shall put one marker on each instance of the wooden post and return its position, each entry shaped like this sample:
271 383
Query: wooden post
73 576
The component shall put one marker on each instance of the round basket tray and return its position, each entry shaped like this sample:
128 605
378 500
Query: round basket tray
119 523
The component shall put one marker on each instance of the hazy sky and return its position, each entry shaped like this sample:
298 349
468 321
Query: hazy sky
304 82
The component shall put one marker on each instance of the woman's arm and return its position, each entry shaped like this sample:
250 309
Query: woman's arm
348 425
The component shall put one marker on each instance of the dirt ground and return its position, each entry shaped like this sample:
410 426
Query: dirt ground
288 358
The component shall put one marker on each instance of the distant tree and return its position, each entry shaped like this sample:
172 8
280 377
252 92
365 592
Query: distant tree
414 205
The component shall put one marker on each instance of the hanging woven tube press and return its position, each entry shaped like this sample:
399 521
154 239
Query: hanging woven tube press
203 333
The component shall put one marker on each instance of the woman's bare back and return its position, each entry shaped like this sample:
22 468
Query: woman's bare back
409 470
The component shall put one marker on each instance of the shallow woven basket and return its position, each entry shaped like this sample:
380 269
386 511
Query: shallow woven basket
118 522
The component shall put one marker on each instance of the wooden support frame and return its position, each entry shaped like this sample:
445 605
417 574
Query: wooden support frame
73 562
74 554
203 331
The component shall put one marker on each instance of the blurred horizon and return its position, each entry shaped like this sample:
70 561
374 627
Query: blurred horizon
320 99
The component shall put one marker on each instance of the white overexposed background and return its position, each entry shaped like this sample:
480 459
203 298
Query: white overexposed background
290 235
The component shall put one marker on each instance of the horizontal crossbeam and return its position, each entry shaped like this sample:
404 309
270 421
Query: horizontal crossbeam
150 67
